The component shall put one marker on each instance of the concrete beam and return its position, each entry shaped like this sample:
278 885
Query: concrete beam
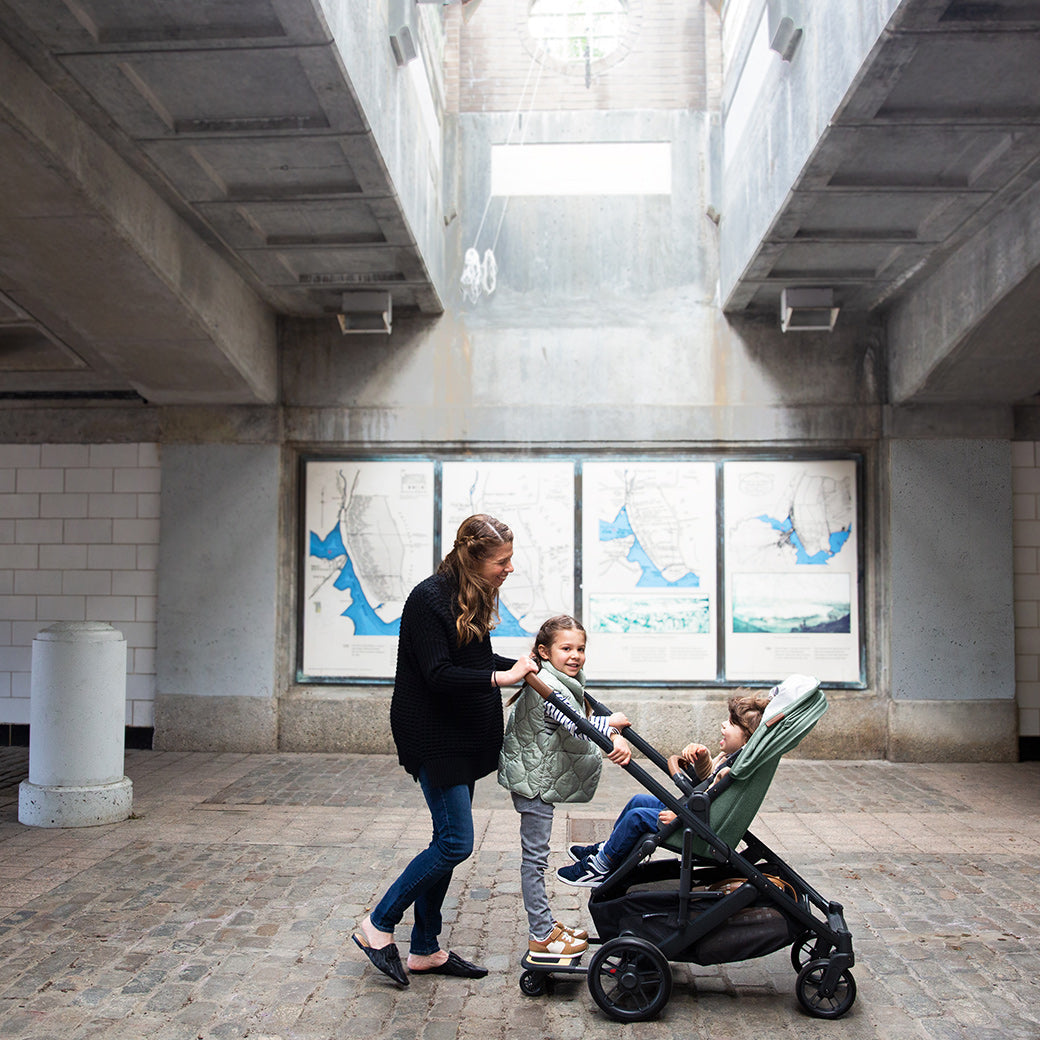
969 331
356 720
127 282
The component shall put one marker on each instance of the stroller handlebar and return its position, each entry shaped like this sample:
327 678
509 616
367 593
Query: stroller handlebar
589 731
648 750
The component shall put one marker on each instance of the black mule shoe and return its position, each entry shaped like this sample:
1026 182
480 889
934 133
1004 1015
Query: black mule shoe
386 959
454 965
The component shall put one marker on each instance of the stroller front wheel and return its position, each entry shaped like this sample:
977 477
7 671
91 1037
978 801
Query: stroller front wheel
817 1003
630 979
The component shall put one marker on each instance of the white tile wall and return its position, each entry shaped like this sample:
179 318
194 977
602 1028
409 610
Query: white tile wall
1025 485
79 530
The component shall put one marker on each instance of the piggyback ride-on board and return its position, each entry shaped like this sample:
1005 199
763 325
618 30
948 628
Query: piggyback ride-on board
710 904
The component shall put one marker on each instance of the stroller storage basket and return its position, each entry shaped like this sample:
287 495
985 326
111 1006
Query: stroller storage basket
651 907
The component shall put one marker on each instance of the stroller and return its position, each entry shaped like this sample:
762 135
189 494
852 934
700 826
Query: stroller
710 904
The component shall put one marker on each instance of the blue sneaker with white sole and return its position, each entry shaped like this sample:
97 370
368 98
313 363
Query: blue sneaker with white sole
580 852
583 874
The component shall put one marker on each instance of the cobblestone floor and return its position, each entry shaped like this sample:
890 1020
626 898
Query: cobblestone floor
224 908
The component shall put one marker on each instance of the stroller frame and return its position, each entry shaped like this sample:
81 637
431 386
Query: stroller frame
629 975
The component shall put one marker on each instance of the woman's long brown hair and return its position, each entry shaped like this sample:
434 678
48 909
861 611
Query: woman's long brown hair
478 537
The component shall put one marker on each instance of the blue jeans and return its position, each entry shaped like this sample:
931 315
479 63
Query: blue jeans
424 882
638 817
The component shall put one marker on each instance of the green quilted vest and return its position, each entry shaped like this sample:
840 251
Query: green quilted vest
552 765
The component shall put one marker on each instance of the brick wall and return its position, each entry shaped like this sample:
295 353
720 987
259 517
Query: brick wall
663 62
1025 482
79 535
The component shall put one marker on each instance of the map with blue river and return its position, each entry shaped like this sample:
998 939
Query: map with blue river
652 576
789 533
361 612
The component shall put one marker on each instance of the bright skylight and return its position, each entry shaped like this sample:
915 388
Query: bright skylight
607 168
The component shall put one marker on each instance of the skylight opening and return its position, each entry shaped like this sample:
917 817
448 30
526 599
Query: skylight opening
606 168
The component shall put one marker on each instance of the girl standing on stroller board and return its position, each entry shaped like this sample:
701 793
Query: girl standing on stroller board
644 812
544 761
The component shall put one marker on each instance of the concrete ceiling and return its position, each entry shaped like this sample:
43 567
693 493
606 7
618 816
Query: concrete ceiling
937 142
177 173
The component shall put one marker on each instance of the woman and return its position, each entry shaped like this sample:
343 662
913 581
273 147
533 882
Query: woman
446 719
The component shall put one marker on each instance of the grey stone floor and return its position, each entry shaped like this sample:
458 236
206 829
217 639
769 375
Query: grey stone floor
224 908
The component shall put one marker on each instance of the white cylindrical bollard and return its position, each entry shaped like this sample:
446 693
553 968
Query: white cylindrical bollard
77 715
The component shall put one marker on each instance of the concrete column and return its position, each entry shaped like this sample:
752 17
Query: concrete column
951 581
76 728
219 586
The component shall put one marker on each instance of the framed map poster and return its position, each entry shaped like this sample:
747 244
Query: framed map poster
791 569
649 570
369 540
683 571
536 500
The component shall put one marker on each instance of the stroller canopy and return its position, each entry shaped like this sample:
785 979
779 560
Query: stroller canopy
796 706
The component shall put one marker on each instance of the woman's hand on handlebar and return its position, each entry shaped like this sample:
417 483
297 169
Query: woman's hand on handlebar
523 667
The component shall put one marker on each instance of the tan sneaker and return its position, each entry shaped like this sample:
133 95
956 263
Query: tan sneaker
578 933
555 946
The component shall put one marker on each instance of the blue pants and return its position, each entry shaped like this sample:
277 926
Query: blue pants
424 882
638 817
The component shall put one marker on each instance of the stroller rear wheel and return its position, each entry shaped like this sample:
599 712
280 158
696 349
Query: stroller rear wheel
805 950
629 978
819 1004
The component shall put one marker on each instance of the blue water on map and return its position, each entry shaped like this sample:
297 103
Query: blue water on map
787 529
509 624
621 527
366 621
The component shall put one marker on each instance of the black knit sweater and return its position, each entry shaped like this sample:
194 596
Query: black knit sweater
445 713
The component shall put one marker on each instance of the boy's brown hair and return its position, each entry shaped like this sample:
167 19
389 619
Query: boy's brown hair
745 710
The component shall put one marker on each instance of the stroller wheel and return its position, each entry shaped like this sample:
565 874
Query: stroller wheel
803 951
821 1005
629 978
533 983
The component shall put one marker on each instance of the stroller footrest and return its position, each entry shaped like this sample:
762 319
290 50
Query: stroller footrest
549 960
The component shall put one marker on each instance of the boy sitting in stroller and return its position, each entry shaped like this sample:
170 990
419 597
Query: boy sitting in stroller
644 812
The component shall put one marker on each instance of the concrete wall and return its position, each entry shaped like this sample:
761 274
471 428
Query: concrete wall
787 104
605 333
218 585
404 107
949 578
1025 477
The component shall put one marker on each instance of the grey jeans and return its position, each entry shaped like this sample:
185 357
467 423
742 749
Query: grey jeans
536 819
